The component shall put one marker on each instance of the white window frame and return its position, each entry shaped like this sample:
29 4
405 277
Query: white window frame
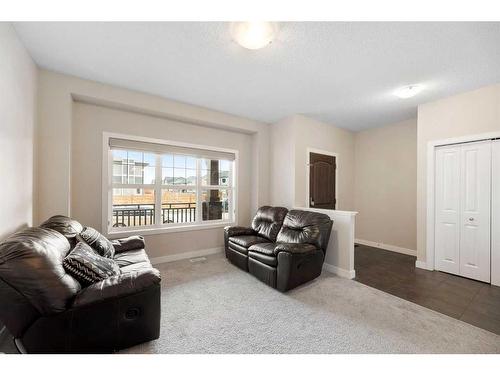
158 228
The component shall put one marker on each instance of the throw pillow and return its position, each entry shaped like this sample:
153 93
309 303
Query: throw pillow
97 241
86 266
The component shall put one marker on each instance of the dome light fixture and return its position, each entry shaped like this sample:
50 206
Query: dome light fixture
408 91
253 35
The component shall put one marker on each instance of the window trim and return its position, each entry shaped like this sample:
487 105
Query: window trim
107 190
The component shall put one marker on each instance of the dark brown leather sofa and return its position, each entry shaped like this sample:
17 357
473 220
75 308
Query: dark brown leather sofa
47 310
283 248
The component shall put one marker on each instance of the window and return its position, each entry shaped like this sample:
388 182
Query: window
158 186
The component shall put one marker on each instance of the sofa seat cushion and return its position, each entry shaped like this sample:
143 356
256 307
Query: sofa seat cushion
238 248
88 267
130 257
263 248
118 286
263 252
136 267
270 260
247 241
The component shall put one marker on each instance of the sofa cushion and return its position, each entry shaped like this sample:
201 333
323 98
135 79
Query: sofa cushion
263 252
118 286
68 227
130 257
263 248
88 267
97 241
238 248
304 227
31 262
270 260
268 220
135 267
247 241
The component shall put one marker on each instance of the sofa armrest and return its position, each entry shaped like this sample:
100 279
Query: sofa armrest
129 243
118 286
294 248
238 231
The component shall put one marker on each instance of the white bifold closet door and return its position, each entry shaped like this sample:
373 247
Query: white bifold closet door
495 213
463 209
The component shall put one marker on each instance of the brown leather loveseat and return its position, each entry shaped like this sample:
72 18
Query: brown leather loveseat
283 248
48 311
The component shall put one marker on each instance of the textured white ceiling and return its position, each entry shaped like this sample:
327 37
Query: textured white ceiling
340 73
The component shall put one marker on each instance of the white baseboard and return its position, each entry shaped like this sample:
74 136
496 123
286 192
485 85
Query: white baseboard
422 265
341 272
384 246
186 255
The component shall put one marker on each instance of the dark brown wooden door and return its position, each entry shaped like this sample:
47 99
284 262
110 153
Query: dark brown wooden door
322 181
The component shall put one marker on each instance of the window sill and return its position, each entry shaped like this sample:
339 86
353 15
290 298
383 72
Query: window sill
144 231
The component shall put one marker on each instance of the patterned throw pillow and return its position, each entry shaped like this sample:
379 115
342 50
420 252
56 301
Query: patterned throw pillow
88 267
97 241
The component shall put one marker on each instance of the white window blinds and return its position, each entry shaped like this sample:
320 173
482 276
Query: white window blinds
158 148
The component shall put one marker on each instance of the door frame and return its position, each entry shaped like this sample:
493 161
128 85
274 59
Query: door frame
429 263
308 162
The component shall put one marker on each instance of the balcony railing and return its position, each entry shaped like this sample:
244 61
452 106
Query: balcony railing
132 215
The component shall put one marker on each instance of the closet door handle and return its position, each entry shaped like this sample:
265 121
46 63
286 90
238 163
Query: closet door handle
471 219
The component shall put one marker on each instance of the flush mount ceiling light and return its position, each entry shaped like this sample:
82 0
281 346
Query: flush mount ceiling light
408 91
253 35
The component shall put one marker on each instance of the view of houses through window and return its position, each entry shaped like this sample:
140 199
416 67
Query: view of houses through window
187 183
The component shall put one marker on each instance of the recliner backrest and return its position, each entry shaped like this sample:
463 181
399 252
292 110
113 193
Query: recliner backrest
31 263
302 226
67 226
268 221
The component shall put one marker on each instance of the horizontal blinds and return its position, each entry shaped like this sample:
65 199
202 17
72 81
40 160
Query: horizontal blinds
158 148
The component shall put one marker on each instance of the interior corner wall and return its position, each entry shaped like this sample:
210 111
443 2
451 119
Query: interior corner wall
18 81
385 188
469 113
282 172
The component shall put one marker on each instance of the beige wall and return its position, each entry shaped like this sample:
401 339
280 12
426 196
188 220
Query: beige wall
318 135
18 79
89 123
473 112
290 139
282 182
60 145
385 189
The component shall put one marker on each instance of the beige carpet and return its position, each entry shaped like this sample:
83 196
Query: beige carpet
213 307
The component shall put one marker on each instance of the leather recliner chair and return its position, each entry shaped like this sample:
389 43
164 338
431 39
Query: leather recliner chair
283 248
47 310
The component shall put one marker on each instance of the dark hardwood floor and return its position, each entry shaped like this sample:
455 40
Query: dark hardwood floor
472 301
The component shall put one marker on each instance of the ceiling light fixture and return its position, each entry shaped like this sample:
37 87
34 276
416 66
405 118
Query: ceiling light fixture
408 91
253 35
